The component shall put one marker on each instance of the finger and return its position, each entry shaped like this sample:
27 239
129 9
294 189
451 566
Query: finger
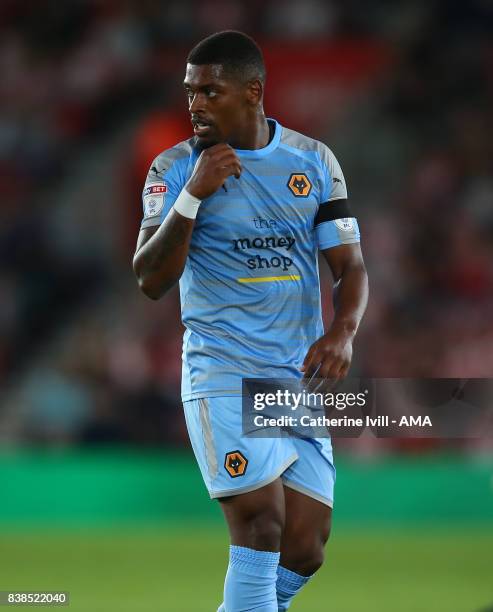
327 369
326 385
313 381
343 372
231 163
307 358
230 170
218 148
331 367
310 363
341 375
318 385
228 155
333 370
311 377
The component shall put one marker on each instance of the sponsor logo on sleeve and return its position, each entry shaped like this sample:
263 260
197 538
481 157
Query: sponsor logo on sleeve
153 197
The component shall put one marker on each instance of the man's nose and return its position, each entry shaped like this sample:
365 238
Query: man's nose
197 103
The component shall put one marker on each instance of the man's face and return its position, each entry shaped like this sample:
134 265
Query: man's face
217 103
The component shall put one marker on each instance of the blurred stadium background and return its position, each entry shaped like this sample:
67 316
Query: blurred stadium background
99 493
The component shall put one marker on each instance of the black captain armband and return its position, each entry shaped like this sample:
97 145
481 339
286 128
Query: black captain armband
330 211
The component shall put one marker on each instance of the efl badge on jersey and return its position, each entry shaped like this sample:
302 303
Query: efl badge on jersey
345 224
299 185
153 197
235 464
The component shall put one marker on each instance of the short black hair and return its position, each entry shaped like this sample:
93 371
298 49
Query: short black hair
236 52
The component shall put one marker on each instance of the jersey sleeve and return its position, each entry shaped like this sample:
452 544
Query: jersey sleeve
163 185
334 222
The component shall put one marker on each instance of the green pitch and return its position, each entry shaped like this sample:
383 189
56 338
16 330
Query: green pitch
182 570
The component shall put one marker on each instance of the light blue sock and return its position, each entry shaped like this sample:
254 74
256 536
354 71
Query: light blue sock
250 583
288 585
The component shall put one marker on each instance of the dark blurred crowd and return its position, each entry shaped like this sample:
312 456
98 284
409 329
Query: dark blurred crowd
69 70
402 92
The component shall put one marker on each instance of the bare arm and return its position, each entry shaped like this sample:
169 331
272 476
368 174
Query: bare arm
350 288
333 351
161 254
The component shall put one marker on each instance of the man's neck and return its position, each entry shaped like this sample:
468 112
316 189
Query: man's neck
257 136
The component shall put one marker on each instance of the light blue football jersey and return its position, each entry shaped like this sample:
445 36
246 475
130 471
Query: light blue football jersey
250 293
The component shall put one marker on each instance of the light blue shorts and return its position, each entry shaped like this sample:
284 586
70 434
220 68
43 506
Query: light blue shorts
232 463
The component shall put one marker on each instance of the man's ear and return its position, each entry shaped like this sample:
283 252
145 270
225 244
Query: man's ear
255 92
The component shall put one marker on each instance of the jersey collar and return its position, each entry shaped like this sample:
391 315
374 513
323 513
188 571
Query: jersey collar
273 144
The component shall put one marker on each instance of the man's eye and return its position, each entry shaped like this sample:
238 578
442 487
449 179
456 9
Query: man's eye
210 93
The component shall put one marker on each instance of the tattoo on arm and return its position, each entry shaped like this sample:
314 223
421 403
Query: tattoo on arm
174 233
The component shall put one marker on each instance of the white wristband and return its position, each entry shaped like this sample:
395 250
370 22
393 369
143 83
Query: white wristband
187 204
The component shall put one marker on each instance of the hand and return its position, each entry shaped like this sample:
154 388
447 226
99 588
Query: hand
211 170
331 354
